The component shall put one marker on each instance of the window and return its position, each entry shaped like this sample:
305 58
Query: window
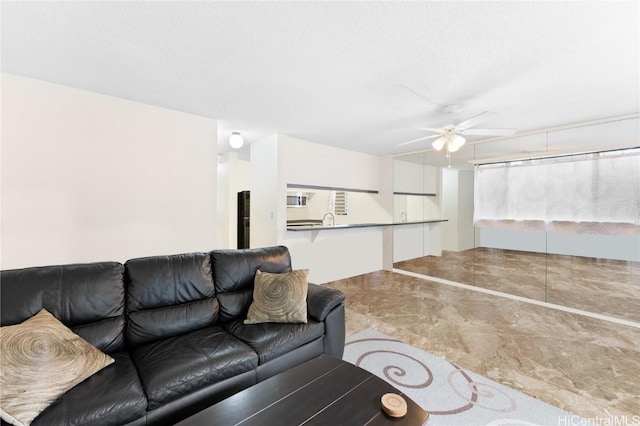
583 193
338 203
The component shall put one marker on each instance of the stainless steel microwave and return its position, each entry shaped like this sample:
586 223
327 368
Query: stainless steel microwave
296 199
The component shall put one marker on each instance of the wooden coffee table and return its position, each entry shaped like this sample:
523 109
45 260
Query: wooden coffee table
323 391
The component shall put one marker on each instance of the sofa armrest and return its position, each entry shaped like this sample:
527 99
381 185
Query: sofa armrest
321 300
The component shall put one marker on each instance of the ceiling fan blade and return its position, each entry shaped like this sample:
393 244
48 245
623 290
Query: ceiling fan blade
419 139
476 119
488 132
429 129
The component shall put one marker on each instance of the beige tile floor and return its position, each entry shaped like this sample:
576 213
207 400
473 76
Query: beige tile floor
586 366
608 287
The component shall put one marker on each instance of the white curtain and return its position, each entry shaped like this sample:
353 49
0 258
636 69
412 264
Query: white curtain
589 193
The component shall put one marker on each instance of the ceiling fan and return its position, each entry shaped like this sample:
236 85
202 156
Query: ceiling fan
451 135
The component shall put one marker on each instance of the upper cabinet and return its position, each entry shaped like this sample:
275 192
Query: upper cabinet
430 182
411 176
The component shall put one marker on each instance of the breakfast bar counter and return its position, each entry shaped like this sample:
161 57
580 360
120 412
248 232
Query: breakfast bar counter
301 226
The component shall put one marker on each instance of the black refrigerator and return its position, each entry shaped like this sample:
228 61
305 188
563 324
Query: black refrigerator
243 219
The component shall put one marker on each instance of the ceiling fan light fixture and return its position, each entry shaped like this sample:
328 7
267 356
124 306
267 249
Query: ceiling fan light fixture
439 143
236 141
455 143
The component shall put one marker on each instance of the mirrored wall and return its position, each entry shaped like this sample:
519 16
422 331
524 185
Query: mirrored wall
566 258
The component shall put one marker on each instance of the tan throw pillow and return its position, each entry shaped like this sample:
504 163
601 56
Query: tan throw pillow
279 298
41 359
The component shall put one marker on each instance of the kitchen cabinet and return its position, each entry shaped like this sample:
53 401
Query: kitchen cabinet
432 239
430 180
416 189
408 242
410 176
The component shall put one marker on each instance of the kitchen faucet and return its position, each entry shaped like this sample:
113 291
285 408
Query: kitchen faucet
333 218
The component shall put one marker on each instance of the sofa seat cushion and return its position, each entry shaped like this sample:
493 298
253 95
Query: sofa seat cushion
113 396
270 340
179 365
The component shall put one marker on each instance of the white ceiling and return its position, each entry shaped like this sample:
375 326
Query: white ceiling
357 75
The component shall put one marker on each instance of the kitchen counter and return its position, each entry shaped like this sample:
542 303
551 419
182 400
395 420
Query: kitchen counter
320 227
421 221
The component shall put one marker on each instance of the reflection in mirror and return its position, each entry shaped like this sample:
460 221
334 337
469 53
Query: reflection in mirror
417 209
592 268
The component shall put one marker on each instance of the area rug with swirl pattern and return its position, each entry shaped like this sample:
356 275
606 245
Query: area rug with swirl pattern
451 395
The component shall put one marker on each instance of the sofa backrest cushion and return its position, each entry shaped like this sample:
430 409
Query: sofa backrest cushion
87 298
168 296
234 273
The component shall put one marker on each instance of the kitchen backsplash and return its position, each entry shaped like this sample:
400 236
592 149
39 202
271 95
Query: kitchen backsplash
362 207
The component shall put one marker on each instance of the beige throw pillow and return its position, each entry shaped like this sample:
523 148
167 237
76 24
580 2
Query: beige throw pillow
279 298
41 359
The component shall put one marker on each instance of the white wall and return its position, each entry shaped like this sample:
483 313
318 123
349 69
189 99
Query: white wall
408 242
223 212
616 247
408 176
341 253
88 177
315 164
513 240
620 247
336 254
266 192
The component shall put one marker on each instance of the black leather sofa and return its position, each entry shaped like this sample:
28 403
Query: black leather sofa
174 325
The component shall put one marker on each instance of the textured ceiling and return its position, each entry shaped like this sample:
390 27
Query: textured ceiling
357 75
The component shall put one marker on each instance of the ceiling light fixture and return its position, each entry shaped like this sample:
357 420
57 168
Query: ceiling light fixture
452 141
236 141
455 143
438 144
